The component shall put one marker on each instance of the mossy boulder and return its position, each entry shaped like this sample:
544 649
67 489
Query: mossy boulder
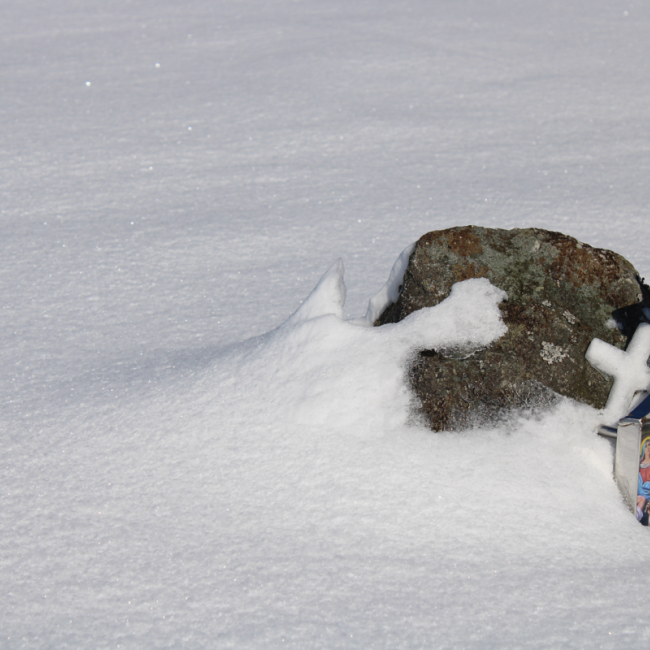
561 295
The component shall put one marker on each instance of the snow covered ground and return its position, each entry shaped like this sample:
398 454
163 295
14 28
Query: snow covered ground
179 468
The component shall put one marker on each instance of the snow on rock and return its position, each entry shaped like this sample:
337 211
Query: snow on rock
629 369
560 293
331 372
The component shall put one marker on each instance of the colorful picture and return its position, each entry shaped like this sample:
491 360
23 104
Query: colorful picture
643 494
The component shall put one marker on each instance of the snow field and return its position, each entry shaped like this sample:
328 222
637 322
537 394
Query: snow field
183 464
283 498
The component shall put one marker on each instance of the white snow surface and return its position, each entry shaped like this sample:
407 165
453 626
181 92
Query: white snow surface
183 463
389 293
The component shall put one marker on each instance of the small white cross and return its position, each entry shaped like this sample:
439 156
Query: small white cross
628 368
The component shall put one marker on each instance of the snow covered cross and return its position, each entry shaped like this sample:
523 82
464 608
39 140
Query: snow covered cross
628 368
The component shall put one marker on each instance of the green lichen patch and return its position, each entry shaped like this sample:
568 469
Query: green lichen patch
561 294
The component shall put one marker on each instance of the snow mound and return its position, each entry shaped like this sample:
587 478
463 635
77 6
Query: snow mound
335 373
284 481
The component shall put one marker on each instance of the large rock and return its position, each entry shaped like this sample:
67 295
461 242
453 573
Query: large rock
561 294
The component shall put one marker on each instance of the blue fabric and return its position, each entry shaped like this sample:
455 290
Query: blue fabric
644 488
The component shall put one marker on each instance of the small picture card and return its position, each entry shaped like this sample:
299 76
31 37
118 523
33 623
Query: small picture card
643 492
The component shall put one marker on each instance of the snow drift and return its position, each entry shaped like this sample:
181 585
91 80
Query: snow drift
279 496
161 483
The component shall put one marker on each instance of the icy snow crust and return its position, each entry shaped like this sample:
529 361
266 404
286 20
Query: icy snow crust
185 464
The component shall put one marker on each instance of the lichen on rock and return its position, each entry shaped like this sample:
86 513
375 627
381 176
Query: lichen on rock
561 294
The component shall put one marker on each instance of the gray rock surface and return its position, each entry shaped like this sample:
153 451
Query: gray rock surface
561 294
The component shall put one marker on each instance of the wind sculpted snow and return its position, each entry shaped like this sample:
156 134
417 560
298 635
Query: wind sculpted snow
280 496
175 177
324 372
